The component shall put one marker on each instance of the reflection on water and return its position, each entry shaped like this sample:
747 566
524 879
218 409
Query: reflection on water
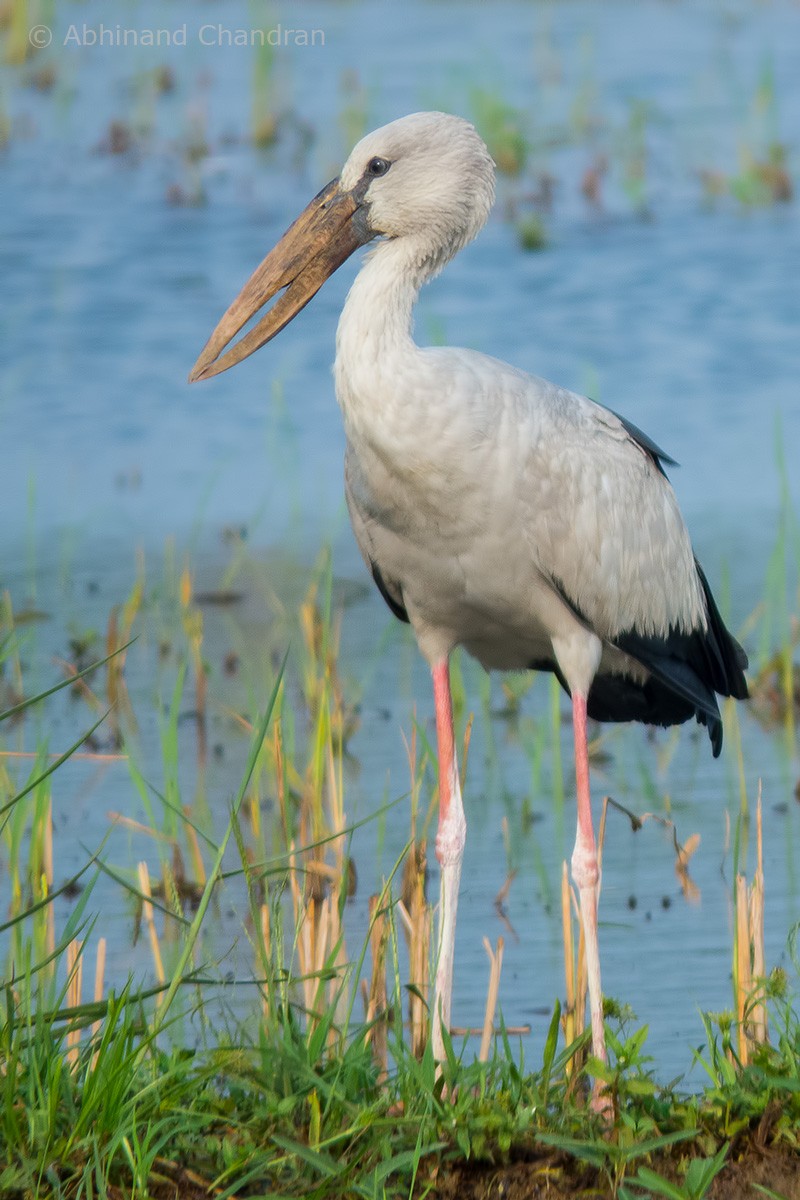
664 290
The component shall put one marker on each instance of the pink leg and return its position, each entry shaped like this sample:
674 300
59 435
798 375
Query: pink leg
586 873
450 838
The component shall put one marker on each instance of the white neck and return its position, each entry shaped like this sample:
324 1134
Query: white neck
376 323
376 317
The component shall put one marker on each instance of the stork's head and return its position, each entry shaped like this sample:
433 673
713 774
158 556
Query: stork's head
427 177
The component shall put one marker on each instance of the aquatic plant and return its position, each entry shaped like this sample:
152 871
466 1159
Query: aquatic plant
503 129
326 1081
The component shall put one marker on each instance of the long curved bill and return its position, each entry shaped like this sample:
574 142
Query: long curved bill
318 242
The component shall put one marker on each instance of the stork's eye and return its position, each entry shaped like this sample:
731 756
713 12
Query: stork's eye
378 166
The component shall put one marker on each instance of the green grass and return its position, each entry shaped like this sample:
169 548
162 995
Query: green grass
183 1086
278 1113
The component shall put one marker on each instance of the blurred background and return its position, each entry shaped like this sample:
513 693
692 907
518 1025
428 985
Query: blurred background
644 250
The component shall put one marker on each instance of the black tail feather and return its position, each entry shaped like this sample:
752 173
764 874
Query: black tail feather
728 655
686 670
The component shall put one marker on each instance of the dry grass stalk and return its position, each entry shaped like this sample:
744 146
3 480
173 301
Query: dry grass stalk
318 933
304 918
749 961
321 680
147 913
266 945
320 876
377 1001
318 886
118 633
295 889
74 993
194 849
138 827
500 904
501 898
417 918
193 628
88 695
338 993
758 1013
689 888
340 884
683 852
742 975
463 1031
201 699
495 967
172 880
99 987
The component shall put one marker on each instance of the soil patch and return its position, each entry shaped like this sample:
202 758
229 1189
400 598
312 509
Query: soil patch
555 1176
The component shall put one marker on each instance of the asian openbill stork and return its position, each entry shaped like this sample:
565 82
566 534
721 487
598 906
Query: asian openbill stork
496 511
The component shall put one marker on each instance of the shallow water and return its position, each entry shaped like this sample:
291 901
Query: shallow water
684 316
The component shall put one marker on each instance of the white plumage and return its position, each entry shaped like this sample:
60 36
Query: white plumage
495 510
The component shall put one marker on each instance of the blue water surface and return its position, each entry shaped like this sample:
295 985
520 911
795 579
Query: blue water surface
675 305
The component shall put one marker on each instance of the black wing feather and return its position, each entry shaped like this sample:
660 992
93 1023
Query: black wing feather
647 444
395 602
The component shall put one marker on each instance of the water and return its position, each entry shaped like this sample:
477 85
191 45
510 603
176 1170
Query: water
681 314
